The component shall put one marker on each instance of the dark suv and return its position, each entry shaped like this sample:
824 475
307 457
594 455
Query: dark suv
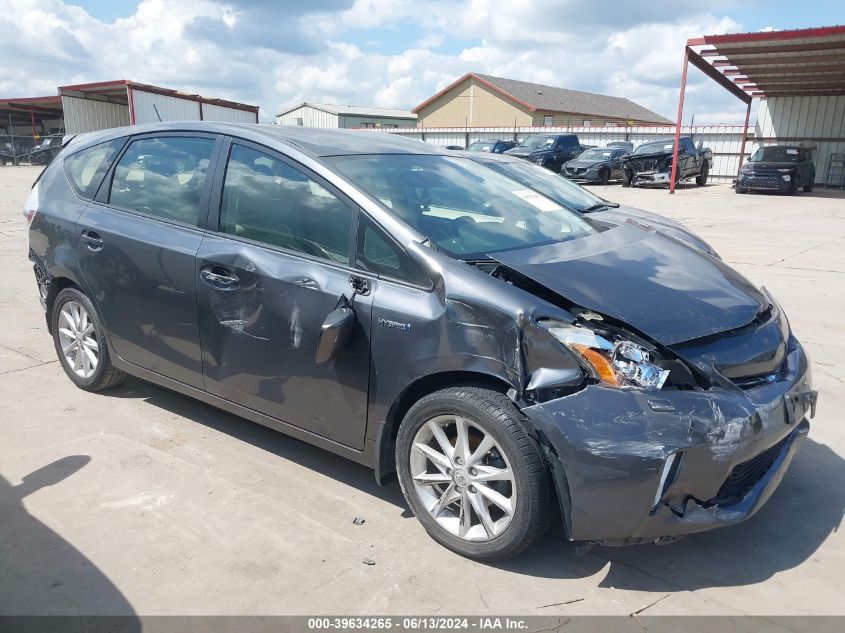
549 150
424 315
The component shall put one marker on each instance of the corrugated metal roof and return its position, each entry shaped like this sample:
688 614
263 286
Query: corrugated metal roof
332 108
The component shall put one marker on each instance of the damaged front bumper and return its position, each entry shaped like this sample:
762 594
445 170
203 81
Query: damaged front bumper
635 466
641 179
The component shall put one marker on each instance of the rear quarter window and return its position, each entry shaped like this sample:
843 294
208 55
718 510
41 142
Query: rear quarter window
85 169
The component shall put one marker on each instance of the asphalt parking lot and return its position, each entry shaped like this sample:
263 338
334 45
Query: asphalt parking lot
138 500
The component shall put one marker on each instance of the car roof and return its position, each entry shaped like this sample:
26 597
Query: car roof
318 142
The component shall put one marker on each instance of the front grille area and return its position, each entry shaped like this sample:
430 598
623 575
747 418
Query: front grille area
644 165
575 170
745 476
761 182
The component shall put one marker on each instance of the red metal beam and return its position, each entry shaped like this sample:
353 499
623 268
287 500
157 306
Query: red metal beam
775 61
699 62
687 52
768 36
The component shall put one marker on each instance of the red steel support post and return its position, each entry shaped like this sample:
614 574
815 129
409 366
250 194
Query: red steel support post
744 138
678 125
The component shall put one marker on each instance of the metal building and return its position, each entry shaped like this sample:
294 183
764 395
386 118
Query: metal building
477 100
96 106
344 116
799 76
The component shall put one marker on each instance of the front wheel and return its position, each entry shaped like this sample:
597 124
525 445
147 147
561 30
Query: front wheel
627 177
604 176
80 341
809 186
471 473
701 179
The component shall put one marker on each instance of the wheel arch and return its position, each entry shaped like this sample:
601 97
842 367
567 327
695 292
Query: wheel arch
384 462
57 284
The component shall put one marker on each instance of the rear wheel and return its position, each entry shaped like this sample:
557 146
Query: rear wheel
471 473
79 338
701 179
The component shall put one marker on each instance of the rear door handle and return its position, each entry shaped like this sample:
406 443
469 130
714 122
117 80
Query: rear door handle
219 277
91 239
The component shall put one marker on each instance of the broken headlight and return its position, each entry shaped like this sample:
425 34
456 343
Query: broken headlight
618 363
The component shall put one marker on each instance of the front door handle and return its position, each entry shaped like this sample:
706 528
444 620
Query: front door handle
219 277
91 239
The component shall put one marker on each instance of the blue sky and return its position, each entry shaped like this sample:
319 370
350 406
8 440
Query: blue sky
388 53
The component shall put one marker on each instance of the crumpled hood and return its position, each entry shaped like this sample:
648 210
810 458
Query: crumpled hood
667 226
649 156
665 289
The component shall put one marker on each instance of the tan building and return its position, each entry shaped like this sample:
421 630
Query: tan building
477 100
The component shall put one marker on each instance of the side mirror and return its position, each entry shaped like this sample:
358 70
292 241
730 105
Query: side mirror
334 333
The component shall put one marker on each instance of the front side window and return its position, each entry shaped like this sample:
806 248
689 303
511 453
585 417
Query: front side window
163 177
466 209
269 201
86 169
538 141
379 254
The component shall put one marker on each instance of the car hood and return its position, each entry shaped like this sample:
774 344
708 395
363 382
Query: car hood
522 152
649 156
657 222
765 165
585 163
665 289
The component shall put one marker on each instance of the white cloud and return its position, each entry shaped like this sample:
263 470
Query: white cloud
332 50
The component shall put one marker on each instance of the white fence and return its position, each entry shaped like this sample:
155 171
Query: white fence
724 140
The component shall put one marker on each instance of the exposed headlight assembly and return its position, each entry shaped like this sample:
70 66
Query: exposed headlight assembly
618 363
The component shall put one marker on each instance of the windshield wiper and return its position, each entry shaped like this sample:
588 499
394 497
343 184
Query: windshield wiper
598 206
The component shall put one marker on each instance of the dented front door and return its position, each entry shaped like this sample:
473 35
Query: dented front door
260 318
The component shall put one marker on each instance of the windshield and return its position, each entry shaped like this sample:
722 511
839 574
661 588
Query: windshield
775 155
551 185
536 141
481 146
597 154
658 146
464 208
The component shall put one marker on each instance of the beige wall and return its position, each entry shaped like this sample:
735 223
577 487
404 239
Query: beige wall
471 103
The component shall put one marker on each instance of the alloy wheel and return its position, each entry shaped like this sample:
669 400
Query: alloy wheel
463 478
78 338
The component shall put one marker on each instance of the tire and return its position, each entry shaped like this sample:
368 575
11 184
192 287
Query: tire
809 186
103 375
701 179
550 165
626 178
793 185
738 190
604 176
492 419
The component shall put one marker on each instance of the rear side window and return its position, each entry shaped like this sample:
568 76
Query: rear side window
379 254
163 177
267 200
86 169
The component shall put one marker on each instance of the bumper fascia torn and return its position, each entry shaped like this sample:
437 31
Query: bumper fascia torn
609 448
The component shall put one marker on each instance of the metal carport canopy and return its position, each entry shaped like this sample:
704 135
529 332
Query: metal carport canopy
795 63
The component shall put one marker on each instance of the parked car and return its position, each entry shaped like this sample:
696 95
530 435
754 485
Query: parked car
626 145
494 146
596 165
549 150
777 168
651 163
423 314
45 151
577 198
